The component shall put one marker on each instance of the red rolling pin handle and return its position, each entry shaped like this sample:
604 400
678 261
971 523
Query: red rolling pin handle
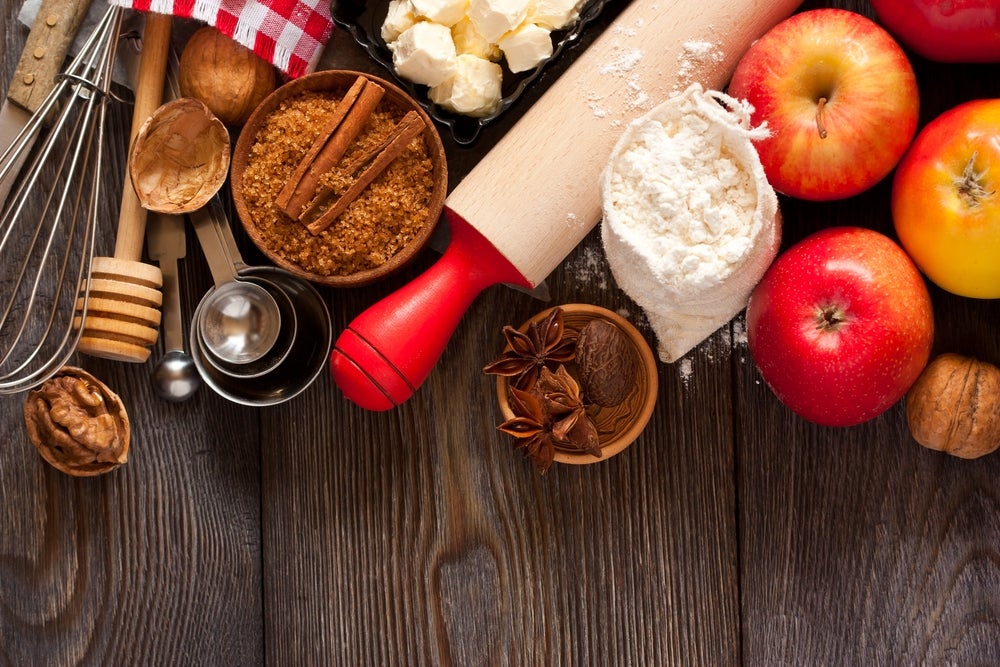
388 351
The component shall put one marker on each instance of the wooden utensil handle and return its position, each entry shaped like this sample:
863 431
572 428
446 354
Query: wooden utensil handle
45 50
148 97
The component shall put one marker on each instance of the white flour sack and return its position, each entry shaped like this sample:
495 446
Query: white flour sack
690 222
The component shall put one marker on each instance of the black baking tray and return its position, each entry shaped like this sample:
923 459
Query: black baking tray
363 20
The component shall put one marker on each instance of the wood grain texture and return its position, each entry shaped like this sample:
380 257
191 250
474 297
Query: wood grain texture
314 533
431 541
158 564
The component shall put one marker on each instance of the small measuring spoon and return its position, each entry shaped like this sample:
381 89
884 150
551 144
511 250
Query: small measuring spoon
175 376
239 320
279 351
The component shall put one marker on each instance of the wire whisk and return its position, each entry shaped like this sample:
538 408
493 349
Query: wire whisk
47 227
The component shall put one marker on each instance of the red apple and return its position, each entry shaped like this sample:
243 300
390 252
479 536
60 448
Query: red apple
840 98
950 31
841 325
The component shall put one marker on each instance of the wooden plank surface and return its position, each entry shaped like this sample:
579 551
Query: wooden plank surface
316 533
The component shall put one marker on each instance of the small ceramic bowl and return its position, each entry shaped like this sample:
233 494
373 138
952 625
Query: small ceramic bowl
617 426
282 239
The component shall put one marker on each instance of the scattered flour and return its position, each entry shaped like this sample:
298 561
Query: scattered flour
740 332
686 369
622 64
624 61
588 267
694 55
727 342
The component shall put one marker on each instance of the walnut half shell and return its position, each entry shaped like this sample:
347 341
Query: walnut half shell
179 158
77 423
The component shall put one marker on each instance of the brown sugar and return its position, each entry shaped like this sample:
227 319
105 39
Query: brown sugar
378 223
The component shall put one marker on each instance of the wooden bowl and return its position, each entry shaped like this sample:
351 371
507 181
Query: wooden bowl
617 426
335 82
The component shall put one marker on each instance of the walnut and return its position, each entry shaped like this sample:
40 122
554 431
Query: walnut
228 77
954 406
77 423
607 364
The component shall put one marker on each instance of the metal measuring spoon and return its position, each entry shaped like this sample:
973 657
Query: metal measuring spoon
175 376
239 320
306 355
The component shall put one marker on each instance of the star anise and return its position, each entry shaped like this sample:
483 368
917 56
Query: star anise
572 427
532 428
544 345
551 416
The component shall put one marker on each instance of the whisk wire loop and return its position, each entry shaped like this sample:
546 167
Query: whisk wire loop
50 220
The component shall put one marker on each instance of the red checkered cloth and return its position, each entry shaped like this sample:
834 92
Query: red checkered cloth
290 34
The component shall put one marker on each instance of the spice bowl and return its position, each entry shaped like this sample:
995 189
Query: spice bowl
339 177
618 426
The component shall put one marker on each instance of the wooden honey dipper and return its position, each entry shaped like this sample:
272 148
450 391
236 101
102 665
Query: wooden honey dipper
123 312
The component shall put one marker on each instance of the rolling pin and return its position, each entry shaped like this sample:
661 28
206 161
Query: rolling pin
123 314
536 194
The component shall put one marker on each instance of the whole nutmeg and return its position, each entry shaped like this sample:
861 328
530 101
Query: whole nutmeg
228 77
606 363
954 406
77 424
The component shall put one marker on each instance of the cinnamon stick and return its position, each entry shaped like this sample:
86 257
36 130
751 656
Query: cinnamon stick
370 164
348 119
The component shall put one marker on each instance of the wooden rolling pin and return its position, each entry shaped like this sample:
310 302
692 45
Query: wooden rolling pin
123 314
536 194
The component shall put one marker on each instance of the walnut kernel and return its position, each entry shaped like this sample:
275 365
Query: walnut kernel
78 425
954 406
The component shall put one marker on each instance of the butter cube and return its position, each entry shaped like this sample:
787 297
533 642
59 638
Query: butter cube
399 18
469 40
474 89
424 53
525 47
494 18
555 14
445 12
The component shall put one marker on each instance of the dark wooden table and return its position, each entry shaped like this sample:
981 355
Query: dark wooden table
315 533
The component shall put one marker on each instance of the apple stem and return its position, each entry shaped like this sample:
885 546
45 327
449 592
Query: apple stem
829 318
819 117
970 184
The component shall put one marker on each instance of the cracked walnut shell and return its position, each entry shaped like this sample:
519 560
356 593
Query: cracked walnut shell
954 406
77 423
179 158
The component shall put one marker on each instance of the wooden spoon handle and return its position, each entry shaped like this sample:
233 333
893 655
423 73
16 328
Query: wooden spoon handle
148 97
